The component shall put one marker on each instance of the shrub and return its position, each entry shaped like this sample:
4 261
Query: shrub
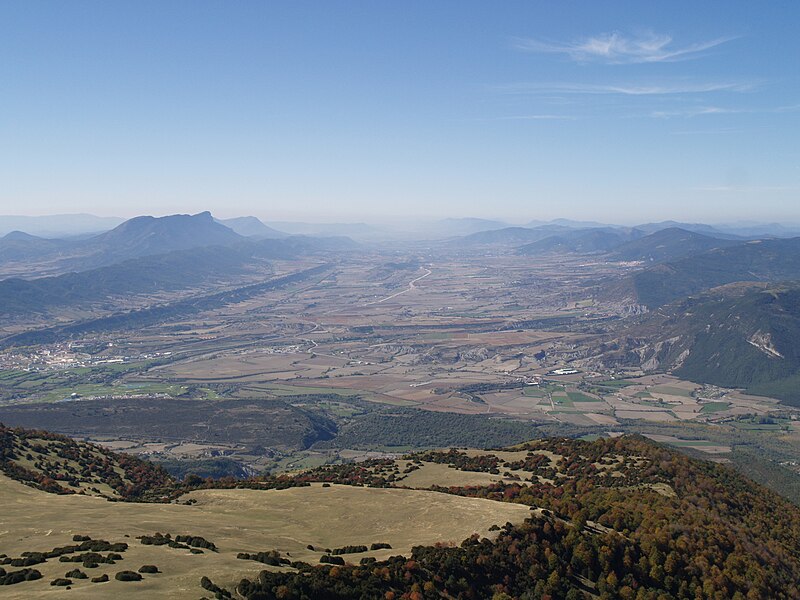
350 549
101 579
148 569
19 576
331 560
380 546
61 581
76 574
127 576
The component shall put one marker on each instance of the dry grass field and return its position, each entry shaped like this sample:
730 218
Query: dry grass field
236 521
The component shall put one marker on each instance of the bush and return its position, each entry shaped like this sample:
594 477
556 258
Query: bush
380 546
149 569
127 576
76 574
272 558
350 549
209 585
101 579
81 538
19 576
331 560
61 581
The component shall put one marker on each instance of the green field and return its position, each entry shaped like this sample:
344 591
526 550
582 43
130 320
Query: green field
580 397
712 407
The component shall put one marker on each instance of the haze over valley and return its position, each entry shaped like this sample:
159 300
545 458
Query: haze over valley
452 301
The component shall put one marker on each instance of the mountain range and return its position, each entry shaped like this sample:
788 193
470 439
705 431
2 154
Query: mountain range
758 260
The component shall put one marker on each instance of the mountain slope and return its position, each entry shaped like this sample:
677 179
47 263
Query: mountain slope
508 236
145 235
20 246
581 241
759 260
137 237
252 227
162 272
739 337
614 518
668 244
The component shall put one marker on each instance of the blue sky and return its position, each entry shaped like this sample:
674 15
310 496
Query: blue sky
617 111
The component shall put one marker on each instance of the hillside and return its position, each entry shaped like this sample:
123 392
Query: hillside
740 337
558 518
148 274
17 245
508 236
57 464
581 241
760 260
667 245
268 423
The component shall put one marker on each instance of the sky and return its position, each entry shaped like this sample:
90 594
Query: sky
621 112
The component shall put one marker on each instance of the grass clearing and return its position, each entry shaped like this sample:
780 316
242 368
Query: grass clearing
236 521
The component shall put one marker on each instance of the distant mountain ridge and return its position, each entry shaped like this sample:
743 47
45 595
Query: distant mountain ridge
759 260
252 227
508 236
581 241
145 235
57 226
667 244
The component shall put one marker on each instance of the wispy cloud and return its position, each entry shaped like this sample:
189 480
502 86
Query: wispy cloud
717 110
696 112
659 89
745 188
616 48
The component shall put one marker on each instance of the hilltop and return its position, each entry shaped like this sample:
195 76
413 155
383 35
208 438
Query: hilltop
667 245
621 517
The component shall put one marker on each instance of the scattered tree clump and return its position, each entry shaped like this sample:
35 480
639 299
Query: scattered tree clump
349 550
184 542
128 576
76 574
62 465
195 541
149 569
14 577
271 558
209 585
380 546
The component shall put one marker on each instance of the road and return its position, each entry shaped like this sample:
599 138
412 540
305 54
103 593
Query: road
411 286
